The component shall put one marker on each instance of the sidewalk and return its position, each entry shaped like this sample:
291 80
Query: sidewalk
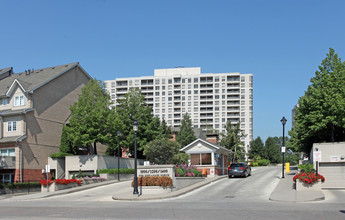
39 195
127 194
286 192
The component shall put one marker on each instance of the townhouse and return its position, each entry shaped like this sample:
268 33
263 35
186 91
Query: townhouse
34 106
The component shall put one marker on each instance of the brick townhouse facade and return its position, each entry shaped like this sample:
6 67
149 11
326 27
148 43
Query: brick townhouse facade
34 106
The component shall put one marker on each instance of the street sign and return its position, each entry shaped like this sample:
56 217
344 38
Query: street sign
48 168
283 149
317 156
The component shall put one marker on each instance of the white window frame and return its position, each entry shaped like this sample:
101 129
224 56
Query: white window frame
11 126
18 100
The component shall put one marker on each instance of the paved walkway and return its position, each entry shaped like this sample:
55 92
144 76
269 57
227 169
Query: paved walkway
284 191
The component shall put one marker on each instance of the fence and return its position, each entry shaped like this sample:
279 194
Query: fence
20 188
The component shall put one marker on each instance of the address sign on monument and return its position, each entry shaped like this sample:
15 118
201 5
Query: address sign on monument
156 170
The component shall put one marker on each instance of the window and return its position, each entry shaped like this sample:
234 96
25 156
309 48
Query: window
157 93
195 91
7 152
169 81
11 126
195 80
113 84
201 159
157 87
18 100
195 86
5 101
113 91
157 81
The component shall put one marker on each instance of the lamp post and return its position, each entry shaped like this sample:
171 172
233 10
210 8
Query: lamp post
283 121
118 155
135 129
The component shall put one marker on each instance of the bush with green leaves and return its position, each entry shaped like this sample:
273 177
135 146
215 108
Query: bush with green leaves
263 162
183 170
306 168
114 171
60 155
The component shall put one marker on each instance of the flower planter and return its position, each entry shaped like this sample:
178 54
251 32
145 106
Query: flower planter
55 187
300 186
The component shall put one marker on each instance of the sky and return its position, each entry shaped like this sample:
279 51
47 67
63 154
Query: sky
281 43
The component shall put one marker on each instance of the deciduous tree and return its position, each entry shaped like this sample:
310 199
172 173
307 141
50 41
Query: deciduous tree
88 121
320 115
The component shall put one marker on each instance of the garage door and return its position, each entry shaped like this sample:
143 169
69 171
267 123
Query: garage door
334 174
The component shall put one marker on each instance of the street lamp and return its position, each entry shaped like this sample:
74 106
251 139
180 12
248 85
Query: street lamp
283 121
118 155
135 129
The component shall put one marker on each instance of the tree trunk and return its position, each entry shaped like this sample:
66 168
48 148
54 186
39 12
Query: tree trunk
94 148
332 132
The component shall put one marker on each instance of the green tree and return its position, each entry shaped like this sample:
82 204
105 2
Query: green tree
133 107
88 121
161 151
257 149
65 144
186 135
232 141
114 125
167 133
272 150
320 112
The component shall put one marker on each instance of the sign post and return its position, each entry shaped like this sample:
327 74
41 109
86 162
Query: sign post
47 173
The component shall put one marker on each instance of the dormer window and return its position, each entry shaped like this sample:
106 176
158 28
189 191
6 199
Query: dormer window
18 100
4 101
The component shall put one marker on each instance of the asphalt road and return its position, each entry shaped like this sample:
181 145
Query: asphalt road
235 198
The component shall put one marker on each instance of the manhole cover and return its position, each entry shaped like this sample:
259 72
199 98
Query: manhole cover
229 197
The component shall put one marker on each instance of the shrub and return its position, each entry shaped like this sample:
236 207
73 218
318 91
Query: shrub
308 178
60 155
306 168
73 177
188 171
263 162
53 176
114 171
255 164
23 185
164 181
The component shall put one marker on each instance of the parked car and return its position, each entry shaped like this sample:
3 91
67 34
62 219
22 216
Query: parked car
239 169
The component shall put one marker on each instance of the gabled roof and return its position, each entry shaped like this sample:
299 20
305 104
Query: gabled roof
205 143
5 72
15 112
12 139
33 79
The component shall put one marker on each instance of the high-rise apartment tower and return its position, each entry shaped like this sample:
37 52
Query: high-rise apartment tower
211 99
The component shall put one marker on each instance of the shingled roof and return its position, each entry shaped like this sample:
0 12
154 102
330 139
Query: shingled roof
33 79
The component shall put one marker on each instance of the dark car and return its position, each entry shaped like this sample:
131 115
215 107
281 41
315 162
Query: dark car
239 169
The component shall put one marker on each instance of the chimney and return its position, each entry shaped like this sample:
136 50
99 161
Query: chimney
212 138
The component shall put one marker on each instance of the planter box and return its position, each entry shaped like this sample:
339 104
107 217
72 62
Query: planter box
151 190
300 186
55 187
